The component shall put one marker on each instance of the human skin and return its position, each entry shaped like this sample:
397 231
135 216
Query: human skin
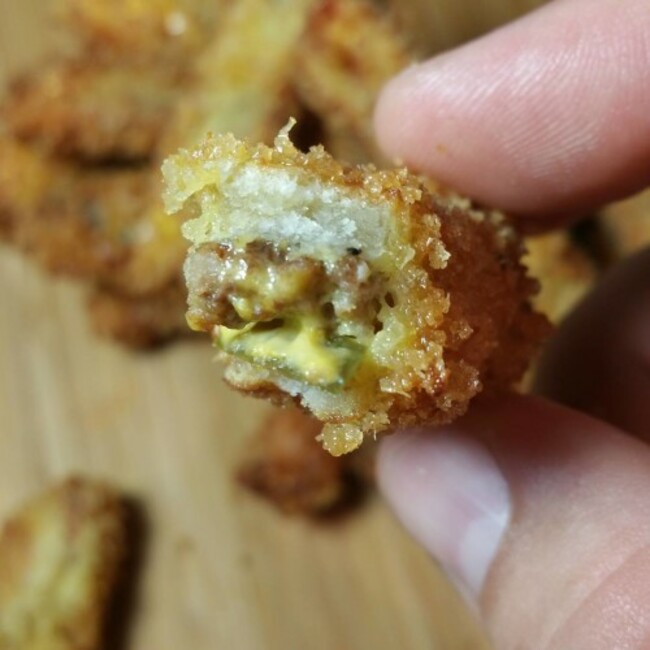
539 507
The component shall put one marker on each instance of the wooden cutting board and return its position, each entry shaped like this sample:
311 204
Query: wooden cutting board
221 569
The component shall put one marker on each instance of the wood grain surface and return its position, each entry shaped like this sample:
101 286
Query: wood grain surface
221 570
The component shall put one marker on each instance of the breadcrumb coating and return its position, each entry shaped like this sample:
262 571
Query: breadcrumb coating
59 563
452 314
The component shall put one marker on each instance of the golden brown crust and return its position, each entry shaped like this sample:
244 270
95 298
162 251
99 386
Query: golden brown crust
59 563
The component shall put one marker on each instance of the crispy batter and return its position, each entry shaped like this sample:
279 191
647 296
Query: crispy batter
626 226
59 563
92 111
451 315
348 52
285 464
142 322
564 272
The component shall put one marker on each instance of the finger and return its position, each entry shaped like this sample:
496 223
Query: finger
547 116
599 361
537 511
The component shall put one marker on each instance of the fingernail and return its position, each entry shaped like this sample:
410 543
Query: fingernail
450 494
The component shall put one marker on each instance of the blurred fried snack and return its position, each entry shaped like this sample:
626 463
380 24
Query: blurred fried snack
285 464
565 273
141 31
361 294
242 78
347 53
91 111
141 322
60 559
73 220
625 226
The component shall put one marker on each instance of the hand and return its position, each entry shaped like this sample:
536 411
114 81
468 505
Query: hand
540 510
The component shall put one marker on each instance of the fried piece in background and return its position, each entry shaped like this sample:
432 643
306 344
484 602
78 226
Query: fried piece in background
564 271
135 31
285 463
142 322
348 52
625 226
243 77
364 296
91 111
60 559
76 221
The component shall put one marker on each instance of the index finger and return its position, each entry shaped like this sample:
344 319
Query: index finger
547 116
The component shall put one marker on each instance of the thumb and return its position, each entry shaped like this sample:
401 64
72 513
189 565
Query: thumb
540 514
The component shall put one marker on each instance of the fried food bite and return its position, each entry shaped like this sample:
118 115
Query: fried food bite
92 111
59 563
366 296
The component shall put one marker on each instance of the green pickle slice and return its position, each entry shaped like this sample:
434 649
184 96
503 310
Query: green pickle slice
298 348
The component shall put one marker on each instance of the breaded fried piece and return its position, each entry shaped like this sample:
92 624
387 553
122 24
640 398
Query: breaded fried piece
626 226
143 321
91 111
563 270
348 52
73 221
59 564
243 77
361 294
93 223
136 31
285 464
